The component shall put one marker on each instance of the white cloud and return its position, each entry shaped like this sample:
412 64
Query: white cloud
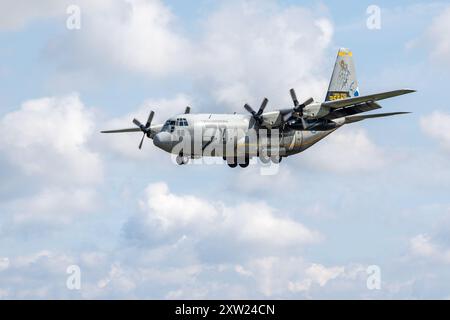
143 38
237 61
282 276
48 138
344 151
167 215
46 142
258 223
231 60
316 274
118 277
92 259
241 270
4 264
53 206
140 273
437 126
168 211
32 276
262 277
253 49
130 35
439 35
25 260
322 275
422 245
15 14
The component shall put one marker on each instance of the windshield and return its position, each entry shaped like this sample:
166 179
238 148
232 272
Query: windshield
169 125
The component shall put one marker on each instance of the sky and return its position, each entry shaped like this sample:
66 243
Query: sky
374 195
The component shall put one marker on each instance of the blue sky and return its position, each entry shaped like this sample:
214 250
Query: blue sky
373 193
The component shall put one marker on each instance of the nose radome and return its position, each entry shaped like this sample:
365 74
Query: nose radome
163 140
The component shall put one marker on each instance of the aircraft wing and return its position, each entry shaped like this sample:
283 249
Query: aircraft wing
154 129
336 104
359 108
352 119
122 130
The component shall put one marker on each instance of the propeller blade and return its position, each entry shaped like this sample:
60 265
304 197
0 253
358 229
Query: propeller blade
307 102
187 110
294 97
136 122
263 106
149 120
249 109
142 141
300 107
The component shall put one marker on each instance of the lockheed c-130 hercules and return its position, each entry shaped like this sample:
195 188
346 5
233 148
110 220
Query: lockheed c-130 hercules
271 135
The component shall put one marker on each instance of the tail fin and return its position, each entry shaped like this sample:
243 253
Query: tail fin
343 82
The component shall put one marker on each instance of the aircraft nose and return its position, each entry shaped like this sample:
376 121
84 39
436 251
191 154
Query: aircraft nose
163 140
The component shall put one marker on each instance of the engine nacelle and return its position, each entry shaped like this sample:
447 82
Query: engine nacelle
315 110
272 119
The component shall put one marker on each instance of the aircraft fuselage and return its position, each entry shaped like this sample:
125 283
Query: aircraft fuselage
224 135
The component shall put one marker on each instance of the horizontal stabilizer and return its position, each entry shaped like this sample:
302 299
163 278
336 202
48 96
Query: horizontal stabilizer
358 108
352 119
122 130
335 104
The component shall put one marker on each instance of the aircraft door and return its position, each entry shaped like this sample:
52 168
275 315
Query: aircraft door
298 140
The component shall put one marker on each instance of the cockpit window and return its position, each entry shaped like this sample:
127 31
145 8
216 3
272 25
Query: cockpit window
182 122
169 125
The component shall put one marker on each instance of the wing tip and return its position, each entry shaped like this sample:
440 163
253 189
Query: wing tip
401 113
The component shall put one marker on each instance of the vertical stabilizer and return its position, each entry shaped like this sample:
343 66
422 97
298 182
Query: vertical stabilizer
343 83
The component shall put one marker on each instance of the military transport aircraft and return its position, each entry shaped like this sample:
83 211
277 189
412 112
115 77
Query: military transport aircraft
272 135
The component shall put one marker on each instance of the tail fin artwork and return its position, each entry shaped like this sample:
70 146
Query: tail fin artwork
343 83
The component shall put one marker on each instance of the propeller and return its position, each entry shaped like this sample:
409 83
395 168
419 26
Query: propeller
298 108
297 112
257 114
144 128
